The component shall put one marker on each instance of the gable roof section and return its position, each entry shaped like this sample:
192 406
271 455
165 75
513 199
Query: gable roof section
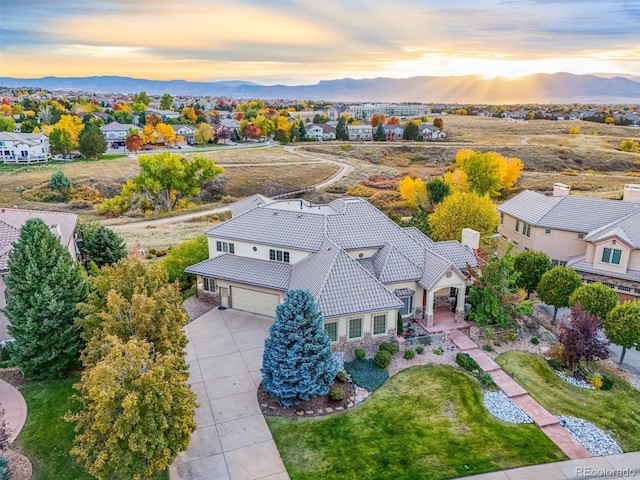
390 265
456 253
434 268
252 271
246 204
32 139
340 284
626 228
117 127
579 214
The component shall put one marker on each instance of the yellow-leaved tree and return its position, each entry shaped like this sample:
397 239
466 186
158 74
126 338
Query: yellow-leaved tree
71 124
413 191
166 133
463 210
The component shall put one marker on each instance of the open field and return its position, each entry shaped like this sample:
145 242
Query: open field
617 411
165 236
426 422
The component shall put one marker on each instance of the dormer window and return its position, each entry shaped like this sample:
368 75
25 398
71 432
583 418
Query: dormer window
225 247
611 255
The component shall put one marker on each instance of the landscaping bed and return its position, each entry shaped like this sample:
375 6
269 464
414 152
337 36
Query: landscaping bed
315 407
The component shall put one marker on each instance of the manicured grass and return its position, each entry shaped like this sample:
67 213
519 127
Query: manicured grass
616 411
426 422
46 438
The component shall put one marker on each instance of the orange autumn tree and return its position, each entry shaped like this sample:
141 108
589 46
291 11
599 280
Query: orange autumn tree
393 121
378 118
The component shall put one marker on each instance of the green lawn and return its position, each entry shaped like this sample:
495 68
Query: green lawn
46 438
426 422
616 411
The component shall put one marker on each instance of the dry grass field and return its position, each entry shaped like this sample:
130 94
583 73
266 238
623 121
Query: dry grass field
165 236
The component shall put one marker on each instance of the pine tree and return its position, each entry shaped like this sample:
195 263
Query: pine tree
59 181
411 131
341 129
44 285
297 361
106 247
302 130
91 142
379 134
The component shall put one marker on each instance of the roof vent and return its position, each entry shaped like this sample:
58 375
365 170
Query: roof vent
328 248
361 255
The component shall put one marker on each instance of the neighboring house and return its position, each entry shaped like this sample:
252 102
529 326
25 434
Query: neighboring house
337 111
115 132
24 147
232 124
403 110
63 225
598 238
429 132
164 114
361 266
186 131
306 115
360 132
393 132
321 131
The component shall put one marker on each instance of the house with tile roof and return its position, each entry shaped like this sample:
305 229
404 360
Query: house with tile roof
63 226
361 267
24 147
598 238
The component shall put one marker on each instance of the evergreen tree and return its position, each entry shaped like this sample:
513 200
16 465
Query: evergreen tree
297 361
44 285
101 244
341 129
59 181
302 130
379 135
166 102
437 190
91 142
411 131
294 133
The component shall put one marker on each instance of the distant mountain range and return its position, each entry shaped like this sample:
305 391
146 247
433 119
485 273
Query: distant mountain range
539 88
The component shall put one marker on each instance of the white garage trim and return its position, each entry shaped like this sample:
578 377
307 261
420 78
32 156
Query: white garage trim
254 301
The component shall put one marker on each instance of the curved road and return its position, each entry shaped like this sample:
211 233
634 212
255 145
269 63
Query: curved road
345 169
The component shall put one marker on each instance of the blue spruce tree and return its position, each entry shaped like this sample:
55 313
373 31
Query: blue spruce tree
297 363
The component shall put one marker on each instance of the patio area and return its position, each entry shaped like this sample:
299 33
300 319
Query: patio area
444 320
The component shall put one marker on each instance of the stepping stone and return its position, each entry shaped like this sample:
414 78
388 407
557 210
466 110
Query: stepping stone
540 416
329 410
569 445
462 341
485 362
507 384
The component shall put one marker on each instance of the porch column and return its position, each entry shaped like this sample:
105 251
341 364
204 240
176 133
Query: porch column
428 313
460 303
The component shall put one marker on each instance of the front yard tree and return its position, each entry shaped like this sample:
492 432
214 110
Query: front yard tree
137 412
411 131
341 129
134 142
204 134
182 256
166 102
44 285
622 326
91 142
556 286
60 140
379 134
581 338
463 210
297 361
133 299
531 265
595 298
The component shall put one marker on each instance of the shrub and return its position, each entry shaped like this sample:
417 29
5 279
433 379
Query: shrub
574 130
595 380
42 193
438 350
419 349
409 354
85 193
359 353
382 359
607 382
360 191
511 336
487 348
366 374
535 340
487 380
336 394
390 347
59 181
346 148
466 362
341 376
556 364
399 327
557 352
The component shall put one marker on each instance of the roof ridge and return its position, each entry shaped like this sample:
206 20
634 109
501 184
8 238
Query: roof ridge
601 229
330 266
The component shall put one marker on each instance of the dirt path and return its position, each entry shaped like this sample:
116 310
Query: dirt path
345 169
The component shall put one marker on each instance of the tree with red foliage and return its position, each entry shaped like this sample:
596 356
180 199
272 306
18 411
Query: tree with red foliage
393 121
378 118
251 130
582 337
134 142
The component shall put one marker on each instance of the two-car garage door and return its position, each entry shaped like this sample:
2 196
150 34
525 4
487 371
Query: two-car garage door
254 301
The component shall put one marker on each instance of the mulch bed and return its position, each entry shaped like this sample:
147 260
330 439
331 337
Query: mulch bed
315 407
13 376
197 306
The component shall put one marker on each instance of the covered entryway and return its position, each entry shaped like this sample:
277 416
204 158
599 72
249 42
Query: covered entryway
254 301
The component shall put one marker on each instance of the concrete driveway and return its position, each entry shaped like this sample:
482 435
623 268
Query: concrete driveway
232 440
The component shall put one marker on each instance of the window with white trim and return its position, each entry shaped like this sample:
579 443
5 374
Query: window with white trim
379 324
224 292
526 229
208 284
279 256
225 247
332 330
624 288
547 231
355 328
581 236
558 263
517 225
611 255
407 306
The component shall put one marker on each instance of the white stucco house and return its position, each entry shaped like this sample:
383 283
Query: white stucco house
321 131
360 132
63 226
361 266
24 147
116 132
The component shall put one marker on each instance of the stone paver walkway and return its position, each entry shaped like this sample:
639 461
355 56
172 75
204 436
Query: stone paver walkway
15 408
233 441
547 422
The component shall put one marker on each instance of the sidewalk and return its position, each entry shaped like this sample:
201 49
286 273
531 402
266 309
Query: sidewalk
625 465
15 408
547 422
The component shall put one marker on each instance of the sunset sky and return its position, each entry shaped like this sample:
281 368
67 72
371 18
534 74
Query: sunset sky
297 41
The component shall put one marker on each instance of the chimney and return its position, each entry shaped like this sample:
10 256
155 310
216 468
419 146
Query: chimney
561 190
470 238
631 193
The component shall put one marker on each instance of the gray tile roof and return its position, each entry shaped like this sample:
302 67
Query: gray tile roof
578 214
435 268
390 266
340 285
246 204
627 229
247 270
8 235
24 138
117 127
579 264
417 235
456 253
